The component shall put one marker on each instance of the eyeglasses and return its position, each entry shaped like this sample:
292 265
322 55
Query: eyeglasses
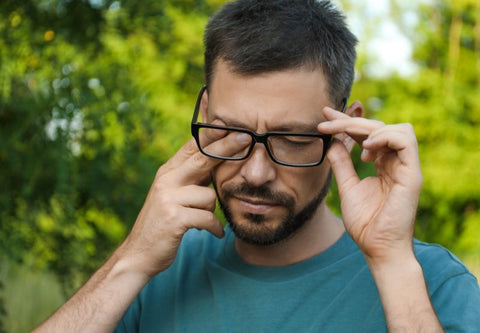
290 149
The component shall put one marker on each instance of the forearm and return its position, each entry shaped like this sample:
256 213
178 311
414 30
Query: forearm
101 302
404 296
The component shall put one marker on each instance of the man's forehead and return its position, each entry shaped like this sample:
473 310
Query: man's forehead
303 79
223 69
267 119
290 100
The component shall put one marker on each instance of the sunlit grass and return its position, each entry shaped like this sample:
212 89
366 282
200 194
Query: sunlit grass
30 297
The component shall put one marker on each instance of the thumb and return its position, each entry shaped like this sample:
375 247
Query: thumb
342 166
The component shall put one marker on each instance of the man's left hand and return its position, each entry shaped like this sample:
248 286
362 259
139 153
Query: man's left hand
378 212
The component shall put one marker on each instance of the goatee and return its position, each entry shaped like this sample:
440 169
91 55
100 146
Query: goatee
255 232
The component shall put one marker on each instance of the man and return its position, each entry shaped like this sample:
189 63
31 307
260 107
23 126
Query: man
276 72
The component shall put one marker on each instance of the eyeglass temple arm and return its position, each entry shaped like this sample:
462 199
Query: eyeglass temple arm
344 104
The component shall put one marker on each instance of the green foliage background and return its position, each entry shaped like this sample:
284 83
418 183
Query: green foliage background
95 95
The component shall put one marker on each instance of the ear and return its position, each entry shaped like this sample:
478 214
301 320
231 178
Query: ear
204 106
354 110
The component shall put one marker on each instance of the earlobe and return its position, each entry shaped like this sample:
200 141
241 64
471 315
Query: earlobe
355 109
204 106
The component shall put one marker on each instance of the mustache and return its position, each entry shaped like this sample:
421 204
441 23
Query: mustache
261 192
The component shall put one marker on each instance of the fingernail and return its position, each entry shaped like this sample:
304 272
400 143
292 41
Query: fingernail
364 153
243 137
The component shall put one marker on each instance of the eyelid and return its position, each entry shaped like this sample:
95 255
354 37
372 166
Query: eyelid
297 139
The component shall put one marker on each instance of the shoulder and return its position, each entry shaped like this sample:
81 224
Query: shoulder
453 289
436 257
438 264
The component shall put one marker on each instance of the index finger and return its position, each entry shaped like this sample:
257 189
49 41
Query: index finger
356 127
197 166
190 148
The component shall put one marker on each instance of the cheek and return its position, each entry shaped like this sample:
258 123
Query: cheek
306 182
225 172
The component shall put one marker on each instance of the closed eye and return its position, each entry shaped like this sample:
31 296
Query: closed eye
298 141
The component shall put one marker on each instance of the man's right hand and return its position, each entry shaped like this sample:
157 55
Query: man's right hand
178 200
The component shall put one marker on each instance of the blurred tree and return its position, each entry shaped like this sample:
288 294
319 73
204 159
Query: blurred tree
94 96
3 311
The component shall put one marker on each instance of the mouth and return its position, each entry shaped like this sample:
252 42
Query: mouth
254 205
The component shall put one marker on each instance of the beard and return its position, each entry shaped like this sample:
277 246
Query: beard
255 231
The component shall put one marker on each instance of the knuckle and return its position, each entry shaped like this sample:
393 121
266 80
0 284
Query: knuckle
190 147
162 175
200 162
170 213
158 189
211 195
408 128
162 170
210 218
157 186
163 200
410 132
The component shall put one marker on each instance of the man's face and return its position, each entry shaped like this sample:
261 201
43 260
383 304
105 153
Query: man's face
265 202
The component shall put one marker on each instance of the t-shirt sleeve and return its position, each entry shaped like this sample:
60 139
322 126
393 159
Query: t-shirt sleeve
129 321
453 290
457 303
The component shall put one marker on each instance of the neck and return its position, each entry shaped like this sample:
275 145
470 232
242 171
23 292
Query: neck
314 237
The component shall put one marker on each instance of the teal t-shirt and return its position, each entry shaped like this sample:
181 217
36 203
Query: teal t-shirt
209 288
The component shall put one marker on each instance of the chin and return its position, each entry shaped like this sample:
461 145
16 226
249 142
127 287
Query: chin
257 234
260 230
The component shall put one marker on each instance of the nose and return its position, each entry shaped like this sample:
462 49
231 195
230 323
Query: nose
258 169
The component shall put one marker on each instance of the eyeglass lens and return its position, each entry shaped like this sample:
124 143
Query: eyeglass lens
290 149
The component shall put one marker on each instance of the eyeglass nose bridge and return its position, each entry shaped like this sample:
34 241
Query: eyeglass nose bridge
263 139
259 138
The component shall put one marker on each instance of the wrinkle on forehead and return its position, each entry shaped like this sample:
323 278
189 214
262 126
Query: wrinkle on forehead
289 100
271 126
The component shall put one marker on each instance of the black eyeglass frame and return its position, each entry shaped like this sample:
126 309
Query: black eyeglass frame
257 138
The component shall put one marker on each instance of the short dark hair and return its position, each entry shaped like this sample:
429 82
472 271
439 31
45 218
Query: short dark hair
259 36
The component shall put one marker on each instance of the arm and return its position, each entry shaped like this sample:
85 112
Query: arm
379 213
404 296
101 302
177 201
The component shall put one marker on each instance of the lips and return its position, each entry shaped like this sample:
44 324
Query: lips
257 201
254 205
